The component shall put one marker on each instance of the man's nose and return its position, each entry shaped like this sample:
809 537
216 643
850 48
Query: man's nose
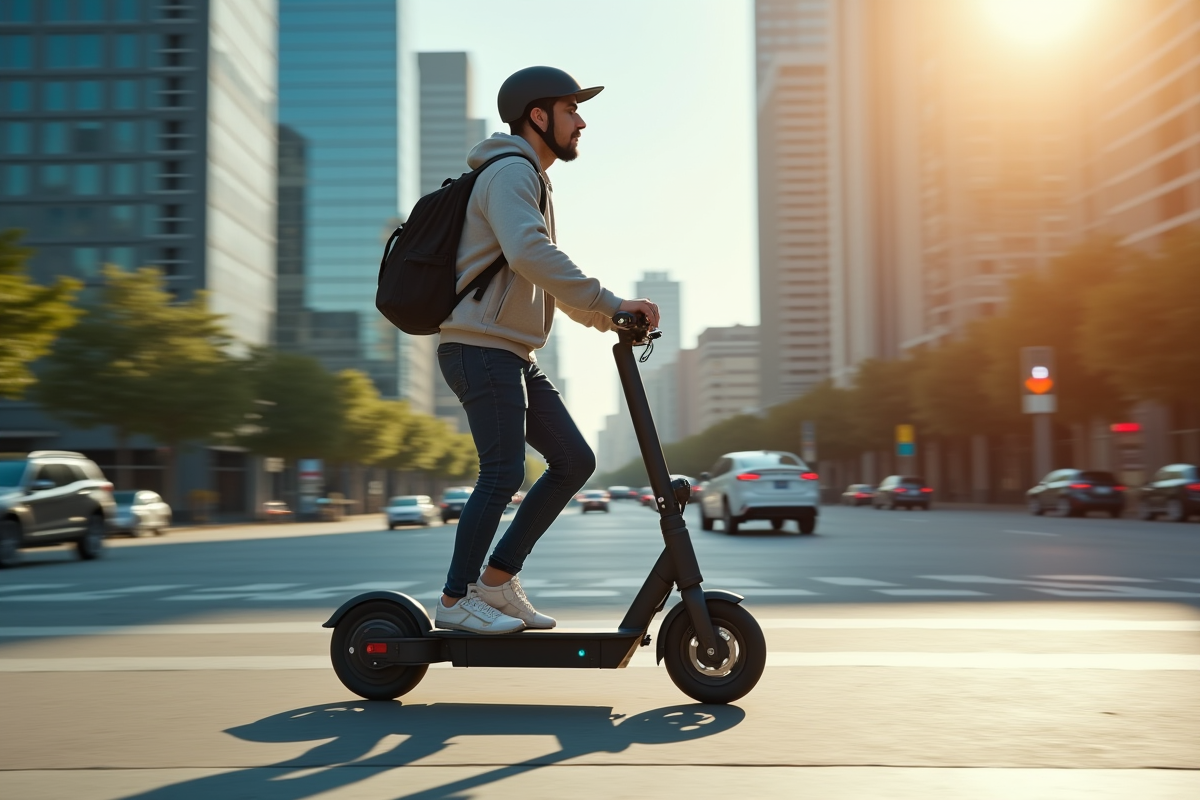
579 123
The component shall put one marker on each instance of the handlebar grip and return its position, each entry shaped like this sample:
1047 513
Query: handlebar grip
627 319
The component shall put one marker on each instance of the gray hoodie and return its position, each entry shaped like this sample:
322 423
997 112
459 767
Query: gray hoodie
516 311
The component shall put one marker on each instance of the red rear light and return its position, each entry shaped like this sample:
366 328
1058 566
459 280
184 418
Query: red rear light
1193 487
108 487
748 476
376 648
926 489
900 490
808 476
1119 488
859 495
444 505
1081 486
1125 427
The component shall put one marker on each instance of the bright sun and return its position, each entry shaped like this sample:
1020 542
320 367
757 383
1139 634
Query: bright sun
1036 22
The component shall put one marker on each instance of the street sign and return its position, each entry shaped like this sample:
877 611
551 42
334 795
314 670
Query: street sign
906 440
1038 380
273 464
808 442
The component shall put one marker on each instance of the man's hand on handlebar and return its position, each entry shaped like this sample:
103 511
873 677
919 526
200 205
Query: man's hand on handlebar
642 306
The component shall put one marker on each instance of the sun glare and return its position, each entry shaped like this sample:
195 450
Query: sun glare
1036 22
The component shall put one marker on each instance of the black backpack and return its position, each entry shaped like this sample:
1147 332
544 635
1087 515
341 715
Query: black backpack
417 276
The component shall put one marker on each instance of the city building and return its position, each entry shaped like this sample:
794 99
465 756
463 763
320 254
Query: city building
347 89
727 373
142 132
448 132
658 373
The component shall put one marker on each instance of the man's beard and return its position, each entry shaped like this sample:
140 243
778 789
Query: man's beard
563 153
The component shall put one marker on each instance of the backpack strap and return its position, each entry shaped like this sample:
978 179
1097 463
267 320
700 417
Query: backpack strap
481 281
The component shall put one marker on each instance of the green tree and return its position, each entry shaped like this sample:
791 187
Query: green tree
949 398
422 441
298 411
143 364
881 399
830 408
1141 329
31 316
368 429
460 461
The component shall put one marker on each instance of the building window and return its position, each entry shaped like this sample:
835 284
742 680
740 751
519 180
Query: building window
80 50
127 51
54 138
125 95
123 257
53 178
87 179
90 10
54 96
125 137
124 179
18 138
88 137
19 96
57 11
16 11
16 52
16 180
129 10
171 176
124 219
89 96
85 261
171 137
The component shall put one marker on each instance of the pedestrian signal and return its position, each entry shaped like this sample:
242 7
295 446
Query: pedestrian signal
1037 380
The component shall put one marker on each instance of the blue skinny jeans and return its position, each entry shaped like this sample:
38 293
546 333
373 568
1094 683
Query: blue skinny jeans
509 401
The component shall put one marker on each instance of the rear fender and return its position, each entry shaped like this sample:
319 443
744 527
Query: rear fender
414 608
678 608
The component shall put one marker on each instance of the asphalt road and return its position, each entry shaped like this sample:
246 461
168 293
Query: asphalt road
1052 657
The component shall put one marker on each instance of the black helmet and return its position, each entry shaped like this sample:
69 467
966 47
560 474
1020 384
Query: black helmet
534 83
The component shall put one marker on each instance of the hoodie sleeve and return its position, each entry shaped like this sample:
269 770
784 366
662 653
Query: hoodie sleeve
511 208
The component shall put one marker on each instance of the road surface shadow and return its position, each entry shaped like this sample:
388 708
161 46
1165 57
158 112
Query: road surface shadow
354 744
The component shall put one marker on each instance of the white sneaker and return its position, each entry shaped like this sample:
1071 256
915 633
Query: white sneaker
474 615
510 599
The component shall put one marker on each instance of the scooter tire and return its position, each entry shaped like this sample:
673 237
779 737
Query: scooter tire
378 618
740 672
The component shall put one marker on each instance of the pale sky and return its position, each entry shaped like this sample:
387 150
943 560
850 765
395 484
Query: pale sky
665 179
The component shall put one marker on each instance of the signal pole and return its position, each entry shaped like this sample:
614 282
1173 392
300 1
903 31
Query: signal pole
1038 399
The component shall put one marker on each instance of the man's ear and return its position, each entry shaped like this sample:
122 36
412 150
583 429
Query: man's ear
544 123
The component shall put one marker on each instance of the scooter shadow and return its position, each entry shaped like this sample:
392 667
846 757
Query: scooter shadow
353 735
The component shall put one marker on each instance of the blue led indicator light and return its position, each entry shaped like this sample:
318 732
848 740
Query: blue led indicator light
582 653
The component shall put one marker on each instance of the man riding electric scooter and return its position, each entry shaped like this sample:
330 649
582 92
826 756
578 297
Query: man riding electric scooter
486 351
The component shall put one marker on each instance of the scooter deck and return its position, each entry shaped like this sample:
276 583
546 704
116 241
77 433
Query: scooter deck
558 648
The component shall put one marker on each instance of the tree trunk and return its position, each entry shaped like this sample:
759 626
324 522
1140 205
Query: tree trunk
124 462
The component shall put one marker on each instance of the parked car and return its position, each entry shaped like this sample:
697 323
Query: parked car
593 500
858 494
49 497
759 484
902 491
646 496
139 513
1074 492
453 500
412 509
1173 492
277 511
622 493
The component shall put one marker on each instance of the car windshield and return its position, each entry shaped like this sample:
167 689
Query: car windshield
593 495
456 494
11 472
917 479
1098 478
403 501
761 460
124 497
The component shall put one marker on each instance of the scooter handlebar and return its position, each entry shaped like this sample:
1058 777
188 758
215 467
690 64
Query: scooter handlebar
636 325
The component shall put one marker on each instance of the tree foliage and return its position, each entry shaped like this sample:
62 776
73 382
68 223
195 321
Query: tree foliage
31 316
297 407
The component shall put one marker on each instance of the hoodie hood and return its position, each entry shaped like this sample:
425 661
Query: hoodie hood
499 143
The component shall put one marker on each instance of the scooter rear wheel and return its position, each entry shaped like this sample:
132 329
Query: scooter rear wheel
348 651
740 671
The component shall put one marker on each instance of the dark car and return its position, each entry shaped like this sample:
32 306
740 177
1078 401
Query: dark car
1075 492
858 494
623 493
903 491
49 497
592 500
1173 492
646 496
453 500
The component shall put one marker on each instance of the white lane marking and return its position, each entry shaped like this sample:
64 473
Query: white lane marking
931 592
1140 662
26 587
322 593
771 623
575 593
1113 591
854 582
752 591
1188 580
1033 533
735 581
1094 578
97 594
607 583
251 587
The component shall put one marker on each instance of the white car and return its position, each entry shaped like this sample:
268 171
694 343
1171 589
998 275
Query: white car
759 484
412 509
140 513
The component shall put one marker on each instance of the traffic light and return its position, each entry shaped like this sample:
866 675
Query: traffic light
1038 380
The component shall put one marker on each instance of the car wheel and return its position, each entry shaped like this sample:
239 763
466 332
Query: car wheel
1176 511
1145 512
91 544
1115 513
1063 507
776 524
706 524
10 543
730 521
807 522
1035 507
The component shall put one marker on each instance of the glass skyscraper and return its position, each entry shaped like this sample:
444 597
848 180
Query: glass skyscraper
345 101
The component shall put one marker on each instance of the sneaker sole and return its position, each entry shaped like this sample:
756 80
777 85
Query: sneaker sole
454 626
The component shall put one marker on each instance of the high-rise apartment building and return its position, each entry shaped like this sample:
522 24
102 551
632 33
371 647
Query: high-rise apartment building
658 373
727 373
347 88
447 134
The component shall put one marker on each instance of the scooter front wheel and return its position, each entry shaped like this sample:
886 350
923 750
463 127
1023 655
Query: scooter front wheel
356 669
733 678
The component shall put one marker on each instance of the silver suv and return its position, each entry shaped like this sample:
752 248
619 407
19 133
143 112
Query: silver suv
48 497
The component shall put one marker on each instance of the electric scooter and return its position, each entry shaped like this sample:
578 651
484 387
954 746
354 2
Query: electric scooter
383 641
